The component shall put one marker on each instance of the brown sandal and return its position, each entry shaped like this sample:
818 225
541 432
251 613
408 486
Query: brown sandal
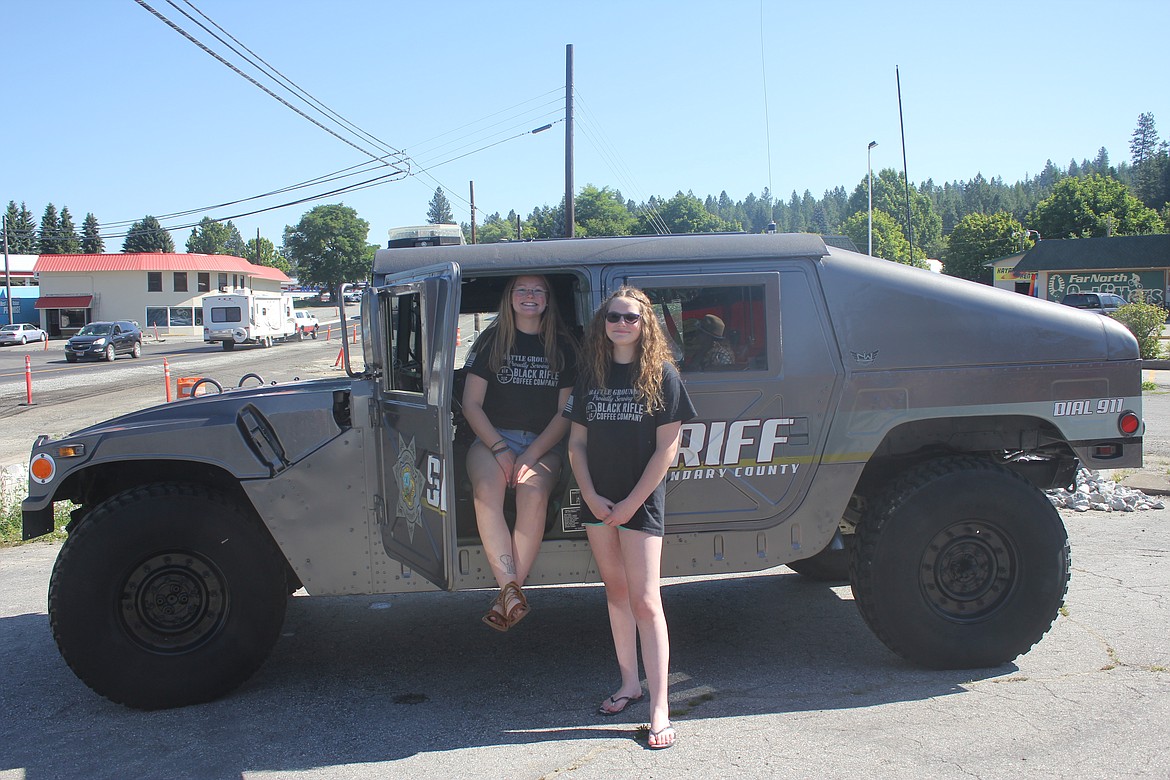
495 618
511 593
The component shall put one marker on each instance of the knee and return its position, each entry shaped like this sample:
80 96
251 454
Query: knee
646 607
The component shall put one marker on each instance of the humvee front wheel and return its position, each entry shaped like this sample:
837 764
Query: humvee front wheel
962 564
167 595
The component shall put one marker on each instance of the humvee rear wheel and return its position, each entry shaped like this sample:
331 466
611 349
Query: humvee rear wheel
167 595
963 564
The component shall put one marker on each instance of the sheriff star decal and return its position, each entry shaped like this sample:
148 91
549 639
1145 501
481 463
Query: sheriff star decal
410 484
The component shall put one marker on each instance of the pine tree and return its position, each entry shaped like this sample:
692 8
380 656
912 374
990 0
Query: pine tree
1143 143
439 211
147 235
70 243
91 239
50 232
22 230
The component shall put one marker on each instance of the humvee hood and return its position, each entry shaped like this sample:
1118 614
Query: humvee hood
249 431
898 317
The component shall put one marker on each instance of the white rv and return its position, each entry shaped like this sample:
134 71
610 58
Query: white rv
246 317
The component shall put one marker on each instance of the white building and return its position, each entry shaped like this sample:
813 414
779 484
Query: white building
162 292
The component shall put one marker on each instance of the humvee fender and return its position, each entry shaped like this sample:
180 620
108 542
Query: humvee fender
878 421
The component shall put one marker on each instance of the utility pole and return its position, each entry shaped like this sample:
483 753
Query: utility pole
570 213
471 184
7 277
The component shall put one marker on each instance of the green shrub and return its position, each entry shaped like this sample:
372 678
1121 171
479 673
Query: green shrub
1145 321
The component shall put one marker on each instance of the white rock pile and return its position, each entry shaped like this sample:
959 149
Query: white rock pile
13 487
1101 494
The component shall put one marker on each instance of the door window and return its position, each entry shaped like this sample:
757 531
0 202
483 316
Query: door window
406 345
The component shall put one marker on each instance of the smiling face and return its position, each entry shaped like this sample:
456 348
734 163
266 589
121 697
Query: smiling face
529 297
623 333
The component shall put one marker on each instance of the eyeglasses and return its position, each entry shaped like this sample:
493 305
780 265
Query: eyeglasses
629 317
524 292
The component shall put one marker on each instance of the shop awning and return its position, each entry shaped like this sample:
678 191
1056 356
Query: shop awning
64 302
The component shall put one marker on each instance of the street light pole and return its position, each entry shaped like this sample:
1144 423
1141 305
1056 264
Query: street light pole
869 175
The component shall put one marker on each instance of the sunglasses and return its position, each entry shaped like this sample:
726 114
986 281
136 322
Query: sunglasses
629 317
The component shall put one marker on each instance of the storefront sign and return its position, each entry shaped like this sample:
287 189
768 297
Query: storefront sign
1149 286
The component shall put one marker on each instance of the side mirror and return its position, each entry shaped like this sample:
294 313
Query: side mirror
373 335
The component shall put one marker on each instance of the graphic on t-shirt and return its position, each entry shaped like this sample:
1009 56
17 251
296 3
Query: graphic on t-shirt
529 370
614 404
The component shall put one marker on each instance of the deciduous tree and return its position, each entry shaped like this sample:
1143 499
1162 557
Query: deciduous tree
602 212
215 238
979 238
1093 206
888 241
328 246
265 254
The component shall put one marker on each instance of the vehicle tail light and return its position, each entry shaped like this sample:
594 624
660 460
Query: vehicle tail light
1129 423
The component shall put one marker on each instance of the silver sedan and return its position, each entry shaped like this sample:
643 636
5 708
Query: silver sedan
21 333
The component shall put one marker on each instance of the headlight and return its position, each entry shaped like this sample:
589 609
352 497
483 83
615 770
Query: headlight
99 342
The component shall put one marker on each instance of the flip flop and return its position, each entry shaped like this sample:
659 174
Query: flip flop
655 734
624 701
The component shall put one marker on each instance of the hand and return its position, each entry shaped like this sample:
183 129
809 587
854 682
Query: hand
506 460
600 506
619 514
525 467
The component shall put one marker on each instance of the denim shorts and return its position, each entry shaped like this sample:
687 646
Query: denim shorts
518 441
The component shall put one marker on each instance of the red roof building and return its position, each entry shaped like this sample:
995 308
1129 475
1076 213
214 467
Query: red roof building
162 292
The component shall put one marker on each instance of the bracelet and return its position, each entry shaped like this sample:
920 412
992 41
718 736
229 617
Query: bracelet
499 452
499 447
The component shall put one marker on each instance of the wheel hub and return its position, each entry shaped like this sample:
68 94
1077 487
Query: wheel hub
173 602
968 571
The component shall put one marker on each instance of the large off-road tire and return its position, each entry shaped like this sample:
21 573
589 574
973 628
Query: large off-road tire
166 595
109 354
961 564
829 565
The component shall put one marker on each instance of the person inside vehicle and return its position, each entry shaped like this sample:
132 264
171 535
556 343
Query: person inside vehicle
627 412
713 351
520 372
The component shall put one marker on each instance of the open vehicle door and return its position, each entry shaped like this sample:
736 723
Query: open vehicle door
417 313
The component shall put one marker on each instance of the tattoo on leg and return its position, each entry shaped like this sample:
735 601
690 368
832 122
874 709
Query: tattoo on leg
508 564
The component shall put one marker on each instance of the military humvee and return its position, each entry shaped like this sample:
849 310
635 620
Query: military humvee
879 422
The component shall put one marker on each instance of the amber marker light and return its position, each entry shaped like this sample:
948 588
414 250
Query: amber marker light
1128 423
71 451
42 468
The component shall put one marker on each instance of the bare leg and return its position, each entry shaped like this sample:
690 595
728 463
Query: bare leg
642 556
608 554
531 513
489 485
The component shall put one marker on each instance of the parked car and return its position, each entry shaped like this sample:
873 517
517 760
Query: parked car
1101 303
307 324
105 341
21 333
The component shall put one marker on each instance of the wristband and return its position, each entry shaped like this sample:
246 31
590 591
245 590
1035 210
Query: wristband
499 447
499 452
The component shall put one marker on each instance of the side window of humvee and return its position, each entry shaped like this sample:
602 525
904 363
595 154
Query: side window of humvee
714 328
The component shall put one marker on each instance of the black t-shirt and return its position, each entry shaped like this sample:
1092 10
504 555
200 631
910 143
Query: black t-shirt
623 437
524 393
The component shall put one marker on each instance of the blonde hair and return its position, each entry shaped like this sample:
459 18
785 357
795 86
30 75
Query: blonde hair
552 330
653 350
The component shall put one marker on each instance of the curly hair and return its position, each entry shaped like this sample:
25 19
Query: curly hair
552 329
653 350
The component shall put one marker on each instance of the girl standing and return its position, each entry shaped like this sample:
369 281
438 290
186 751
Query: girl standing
520 374
627 411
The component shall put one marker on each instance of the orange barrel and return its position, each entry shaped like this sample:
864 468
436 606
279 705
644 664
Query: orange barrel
184 384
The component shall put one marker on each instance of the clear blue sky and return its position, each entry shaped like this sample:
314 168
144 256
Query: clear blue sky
109 110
